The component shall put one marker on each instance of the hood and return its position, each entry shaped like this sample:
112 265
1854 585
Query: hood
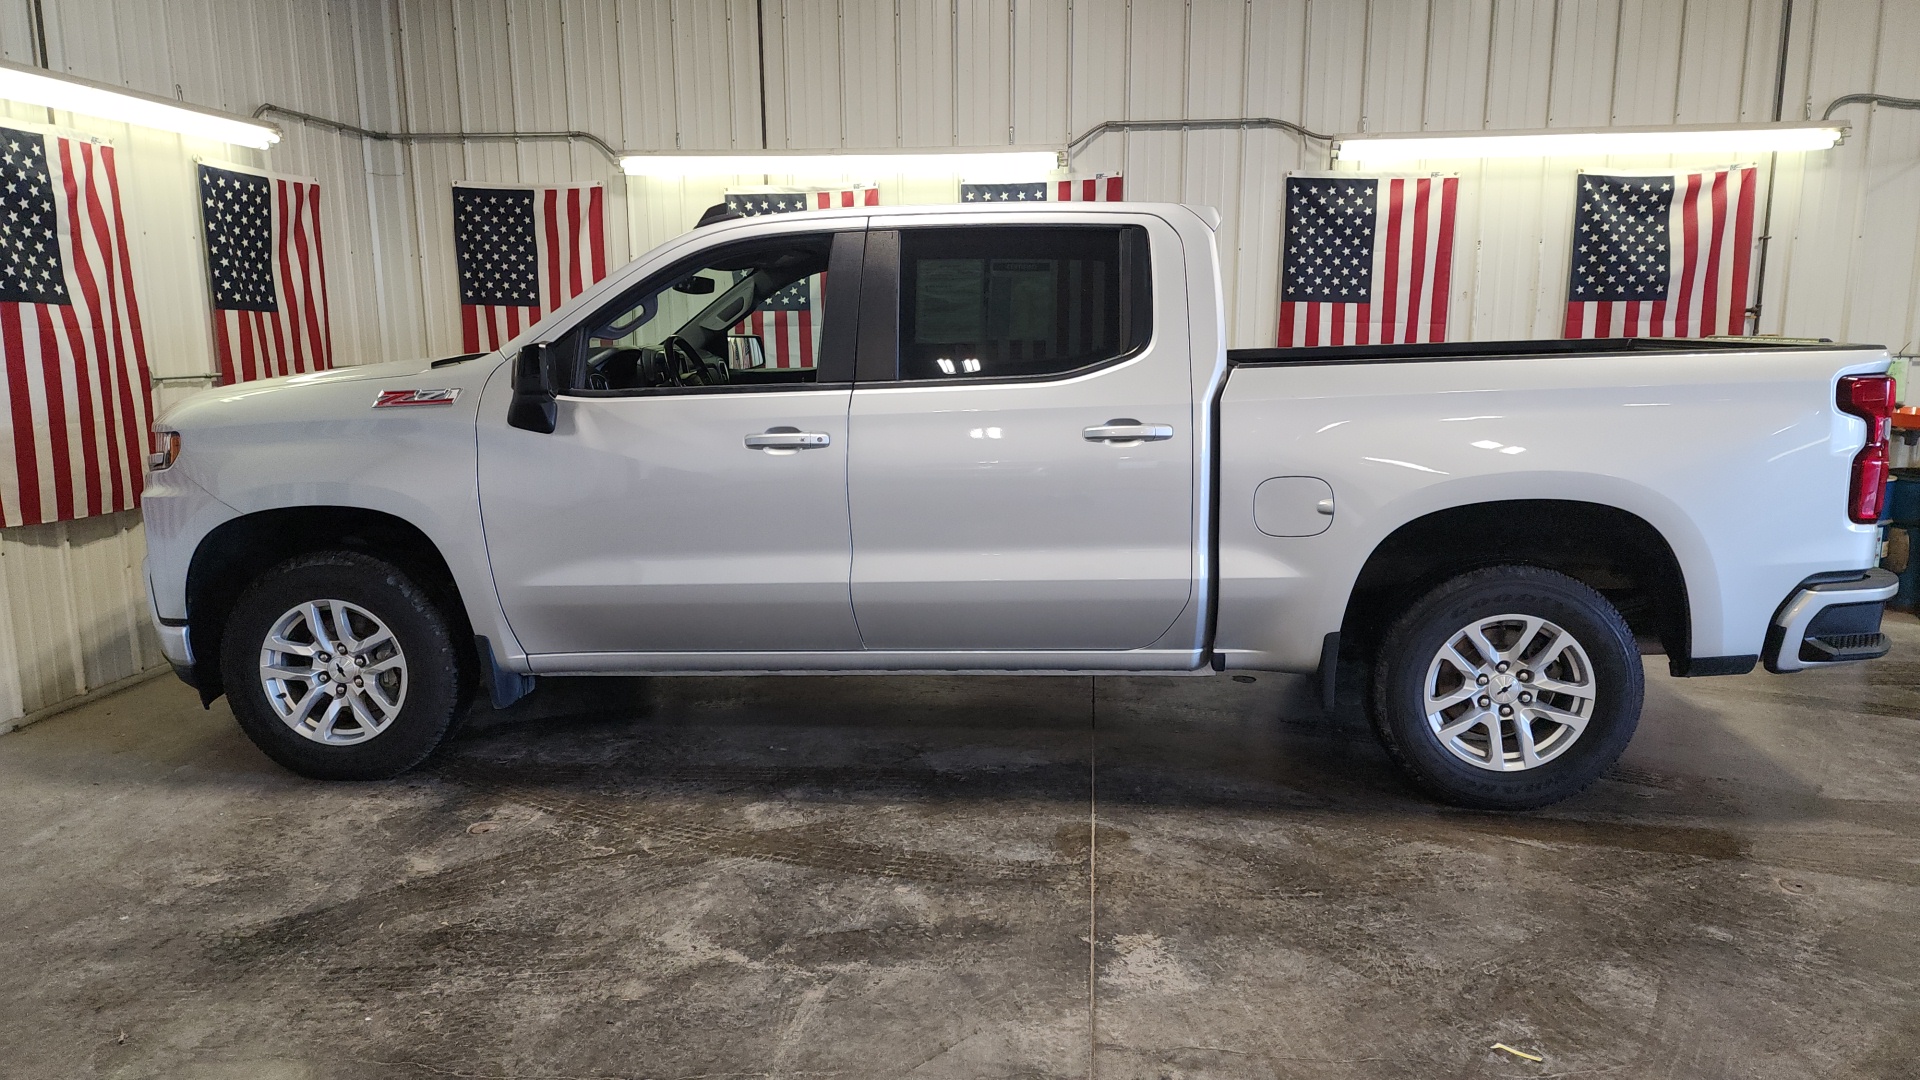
337 392
449 373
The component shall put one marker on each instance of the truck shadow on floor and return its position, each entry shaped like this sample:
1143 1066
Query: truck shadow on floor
1693 783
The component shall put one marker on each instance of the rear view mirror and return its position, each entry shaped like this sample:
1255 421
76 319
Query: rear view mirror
695 286
534 381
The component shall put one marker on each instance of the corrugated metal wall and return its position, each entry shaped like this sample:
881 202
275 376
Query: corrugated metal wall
72 602
666 74
856 74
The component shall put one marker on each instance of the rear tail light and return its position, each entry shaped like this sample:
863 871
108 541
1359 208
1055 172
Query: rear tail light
1869 397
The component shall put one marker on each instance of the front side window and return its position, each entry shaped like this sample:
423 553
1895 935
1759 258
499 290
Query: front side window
747 314
1014 301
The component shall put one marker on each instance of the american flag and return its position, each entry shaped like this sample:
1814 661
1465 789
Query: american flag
1661 256
788 322
1366 260
1102 188
267 270
523 252
978 193
752 202
76 386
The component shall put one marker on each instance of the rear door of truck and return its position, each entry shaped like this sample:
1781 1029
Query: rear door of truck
1021 456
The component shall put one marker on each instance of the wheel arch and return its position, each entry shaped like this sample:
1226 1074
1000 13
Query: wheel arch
232 555
1617 553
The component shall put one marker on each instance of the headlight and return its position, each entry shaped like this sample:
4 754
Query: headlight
166 449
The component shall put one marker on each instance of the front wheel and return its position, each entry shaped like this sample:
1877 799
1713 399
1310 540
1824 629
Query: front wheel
339 667
1508 688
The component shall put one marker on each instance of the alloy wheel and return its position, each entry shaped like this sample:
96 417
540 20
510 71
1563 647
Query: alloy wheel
333 672
1509 692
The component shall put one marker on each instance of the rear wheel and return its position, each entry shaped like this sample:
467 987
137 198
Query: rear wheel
1508 688
339 667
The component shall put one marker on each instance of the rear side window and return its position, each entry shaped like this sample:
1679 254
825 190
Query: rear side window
1014 301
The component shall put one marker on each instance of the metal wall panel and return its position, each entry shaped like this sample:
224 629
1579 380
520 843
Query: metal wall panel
923 83
868 42
1646 88
1041 29
1398 54
1711 69
72 611
811 94
983 72
1456 64
1520 62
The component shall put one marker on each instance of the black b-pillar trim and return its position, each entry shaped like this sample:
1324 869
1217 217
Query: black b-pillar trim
880 309
841 304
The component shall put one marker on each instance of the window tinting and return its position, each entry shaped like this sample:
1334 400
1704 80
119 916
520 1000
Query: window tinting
1015 301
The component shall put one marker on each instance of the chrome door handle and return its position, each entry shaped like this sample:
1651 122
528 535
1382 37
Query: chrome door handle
1127 430
788 439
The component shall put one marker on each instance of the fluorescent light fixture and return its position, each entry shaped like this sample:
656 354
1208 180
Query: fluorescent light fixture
989 166
68 94
1588 142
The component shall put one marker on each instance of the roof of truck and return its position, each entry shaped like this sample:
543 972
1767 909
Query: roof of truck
1207 214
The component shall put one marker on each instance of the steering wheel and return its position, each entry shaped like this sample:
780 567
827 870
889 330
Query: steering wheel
686 367
614 368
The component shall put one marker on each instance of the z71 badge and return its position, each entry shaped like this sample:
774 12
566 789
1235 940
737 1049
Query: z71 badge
398 399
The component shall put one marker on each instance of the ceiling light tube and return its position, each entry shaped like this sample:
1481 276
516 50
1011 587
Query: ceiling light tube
1002 165
1588 142
35 86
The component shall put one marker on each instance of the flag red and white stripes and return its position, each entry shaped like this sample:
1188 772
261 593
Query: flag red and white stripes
1102 188
1691 279
791 336
861 195
75 391
277 322
567 227
1367 260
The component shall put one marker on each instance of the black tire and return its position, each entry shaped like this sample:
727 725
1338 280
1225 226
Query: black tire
434 681
1409 655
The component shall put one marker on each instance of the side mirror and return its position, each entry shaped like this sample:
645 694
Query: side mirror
533 407
745 352
695 286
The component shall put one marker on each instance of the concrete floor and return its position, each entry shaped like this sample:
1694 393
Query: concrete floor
965 877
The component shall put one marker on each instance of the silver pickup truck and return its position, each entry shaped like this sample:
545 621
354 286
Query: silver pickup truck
1011 439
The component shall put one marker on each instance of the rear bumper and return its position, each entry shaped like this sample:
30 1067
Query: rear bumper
1833 621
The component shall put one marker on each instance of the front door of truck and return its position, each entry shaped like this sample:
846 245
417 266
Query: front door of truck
1022 465
692 497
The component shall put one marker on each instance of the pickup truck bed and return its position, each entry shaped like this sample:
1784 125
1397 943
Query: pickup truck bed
1659 463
